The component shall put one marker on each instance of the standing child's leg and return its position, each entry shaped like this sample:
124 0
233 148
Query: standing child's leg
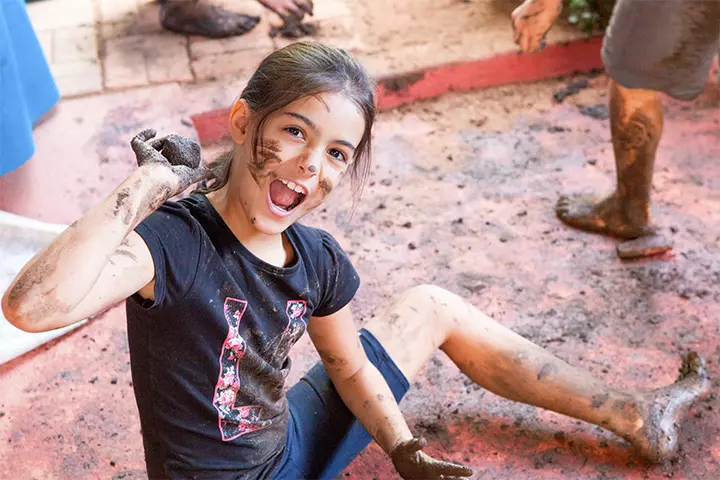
643 63
426 318
636 123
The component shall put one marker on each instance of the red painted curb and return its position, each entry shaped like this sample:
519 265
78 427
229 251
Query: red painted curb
554 61
396 90
212 126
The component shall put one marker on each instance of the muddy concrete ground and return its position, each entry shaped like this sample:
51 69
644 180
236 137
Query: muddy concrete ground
461 195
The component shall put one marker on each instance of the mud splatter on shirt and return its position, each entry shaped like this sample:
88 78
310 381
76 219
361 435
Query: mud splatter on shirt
209 356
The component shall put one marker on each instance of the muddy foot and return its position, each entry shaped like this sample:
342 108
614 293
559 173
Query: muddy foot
194 18
644 246
657 439
604 216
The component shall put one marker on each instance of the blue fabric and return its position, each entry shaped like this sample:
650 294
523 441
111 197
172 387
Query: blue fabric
27 89
324 436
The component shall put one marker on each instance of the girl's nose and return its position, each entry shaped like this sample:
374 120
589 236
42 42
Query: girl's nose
310 164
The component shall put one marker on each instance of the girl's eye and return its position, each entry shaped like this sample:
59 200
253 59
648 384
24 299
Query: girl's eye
295 132
335 153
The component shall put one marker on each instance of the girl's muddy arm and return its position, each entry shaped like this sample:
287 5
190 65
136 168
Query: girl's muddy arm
99 260
367 395
361 386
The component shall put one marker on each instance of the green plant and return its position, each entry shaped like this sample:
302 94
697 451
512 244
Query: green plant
590 16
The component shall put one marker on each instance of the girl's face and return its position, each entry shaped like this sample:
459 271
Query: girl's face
303 153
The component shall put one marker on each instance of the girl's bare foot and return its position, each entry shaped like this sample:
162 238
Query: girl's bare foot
664 408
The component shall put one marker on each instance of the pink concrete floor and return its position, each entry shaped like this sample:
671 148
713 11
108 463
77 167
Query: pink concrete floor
461 195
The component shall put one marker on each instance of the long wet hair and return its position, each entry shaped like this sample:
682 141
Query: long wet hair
299 70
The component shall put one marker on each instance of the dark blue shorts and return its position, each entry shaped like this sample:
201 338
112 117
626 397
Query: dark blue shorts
324 436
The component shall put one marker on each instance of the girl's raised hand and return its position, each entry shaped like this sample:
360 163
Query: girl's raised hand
179 155
411 463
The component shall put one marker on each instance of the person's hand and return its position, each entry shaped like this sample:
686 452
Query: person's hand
174 155
289 10
411 463
531 22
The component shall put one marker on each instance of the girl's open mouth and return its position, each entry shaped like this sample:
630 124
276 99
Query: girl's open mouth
286 195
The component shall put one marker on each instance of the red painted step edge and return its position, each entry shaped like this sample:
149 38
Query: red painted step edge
396 90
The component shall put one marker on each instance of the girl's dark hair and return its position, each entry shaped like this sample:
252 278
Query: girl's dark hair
300 70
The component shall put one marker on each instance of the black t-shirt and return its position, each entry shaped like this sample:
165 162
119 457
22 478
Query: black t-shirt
209 356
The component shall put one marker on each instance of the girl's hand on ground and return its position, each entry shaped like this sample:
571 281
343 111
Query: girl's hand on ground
531 22
411 463
174 154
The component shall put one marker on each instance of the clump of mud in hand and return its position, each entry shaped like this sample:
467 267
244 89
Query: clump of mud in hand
294 28
181 151
181 155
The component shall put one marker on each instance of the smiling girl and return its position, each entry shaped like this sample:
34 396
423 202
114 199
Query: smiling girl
221 284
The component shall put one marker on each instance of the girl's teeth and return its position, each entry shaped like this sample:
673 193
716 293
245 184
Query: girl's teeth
293 186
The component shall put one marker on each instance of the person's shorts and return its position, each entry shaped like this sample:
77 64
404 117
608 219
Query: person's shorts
662 45
324 437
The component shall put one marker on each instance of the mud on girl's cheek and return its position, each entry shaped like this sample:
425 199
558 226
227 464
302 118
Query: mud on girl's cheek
266 156
325 188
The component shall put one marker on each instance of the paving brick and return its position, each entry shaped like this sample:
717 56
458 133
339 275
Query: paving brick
138 60
145 22
124 63
256 39
50 15
167 59
112 11
72 44
77 77
240 64
113 30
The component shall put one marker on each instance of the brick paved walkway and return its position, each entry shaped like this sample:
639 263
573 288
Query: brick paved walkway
104 45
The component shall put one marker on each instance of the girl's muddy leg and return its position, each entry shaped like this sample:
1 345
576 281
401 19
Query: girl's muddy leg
425 318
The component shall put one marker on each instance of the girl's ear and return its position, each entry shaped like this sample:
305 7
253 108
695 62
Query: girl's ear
239 119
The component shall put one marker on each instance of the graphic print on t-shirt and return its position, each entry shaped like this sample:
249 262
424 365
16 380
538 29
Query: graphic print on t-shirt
233 420
295 328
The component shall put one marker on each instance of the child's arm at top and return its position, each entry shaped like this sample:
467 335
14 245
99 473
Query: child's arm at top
531 22
99 260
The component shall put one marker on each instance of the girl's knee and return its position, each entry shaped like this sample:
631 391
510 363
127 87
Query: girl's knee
425 293
435 299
